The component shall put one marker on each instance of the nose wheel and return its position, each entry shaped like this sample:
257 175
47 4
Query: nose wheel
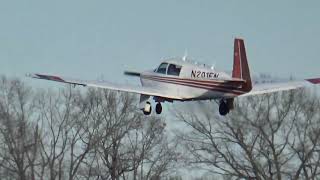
158 108
147 109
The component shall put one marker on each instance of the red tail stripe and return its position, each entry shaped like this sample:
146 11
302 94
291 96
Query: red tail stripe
236 72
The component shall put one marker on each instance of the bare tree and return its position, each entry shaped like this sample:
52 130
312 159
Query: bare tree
163 159
72 134
19 140
55 114
151 153
67 131
121 121
305 144
126 138
264 138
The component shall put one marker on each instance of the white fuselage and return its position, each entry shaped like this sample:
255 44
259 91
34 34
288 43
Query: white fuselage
194 82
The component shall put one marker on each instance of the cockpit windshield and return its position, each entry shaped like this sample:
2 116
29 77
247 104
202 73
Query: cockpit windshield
170 69
174 70
162 68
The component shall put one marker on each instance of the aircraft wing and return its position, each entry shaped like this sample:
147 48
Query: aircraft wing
264 88
106 85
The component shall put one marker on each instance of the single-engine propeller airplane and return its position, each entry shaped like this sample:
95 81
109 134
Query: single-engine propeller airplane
181 80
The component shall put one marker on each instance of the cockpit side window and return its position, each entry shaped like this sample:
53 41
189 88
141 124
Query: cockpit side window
174 70
162 68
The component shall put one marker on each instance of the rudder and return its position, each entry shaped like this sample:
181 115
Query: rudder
240 64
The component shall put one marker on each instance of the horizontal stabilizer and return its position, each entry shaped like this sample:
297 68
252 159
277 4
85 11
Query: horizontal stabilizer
265 88
235 80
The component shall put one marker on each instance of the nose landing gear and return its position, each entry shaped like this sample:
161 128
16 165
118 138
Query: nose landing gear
147 109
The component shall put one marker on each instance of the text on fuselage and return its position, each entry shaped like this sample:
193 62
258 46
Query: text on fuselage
203 74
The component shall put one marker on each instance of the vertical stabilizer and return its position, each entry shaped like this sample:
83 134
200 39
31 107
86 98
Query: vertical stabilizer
240 64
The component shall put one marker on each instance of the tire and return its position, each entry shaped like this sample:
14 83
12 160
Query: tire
223 108
158 108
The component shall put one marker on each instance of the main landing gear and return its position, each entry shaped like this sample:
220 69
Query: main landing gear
158 108
147 108
225 106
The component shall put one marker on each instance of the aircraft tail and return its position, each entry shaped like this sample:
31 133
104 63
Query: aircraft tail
240 64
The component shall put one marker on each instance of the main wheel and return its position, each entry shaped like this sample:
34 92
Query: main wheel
223 108
147 109
158 108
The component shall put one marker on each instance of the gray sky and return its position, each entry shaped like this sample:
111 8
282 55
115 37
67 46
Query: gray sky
89 39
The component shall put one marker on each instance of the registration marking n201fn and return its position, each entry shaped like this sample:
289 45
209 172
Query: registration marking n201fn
203 74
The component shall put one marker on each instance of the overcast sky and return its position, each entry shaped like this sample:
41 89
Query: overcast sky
89 39
100 38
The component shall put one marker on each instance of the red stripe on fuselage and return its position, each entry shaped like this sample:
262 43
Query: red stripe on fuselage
215 86
198 84
203 82
229 85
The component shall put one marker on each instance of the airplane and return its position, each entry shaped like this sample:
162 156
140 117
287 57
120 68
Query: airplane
177 79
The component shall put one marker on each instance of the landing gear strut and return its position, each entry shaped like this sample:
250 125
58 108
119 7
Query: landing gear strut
223 108
158 108
147 109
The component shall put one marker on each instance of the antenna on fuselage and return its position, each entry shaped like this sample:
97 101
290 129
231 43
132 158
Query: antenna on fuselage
213 66
184 58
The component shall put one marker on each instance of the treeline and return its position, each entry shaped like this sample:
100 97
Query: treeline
100 134
71 135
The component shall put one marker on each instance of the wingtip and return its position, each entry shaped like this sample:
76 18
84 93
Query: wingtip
314 80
